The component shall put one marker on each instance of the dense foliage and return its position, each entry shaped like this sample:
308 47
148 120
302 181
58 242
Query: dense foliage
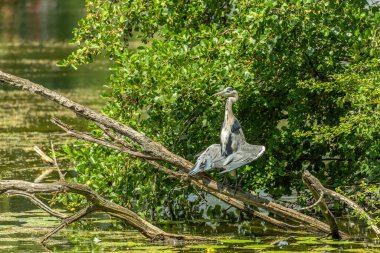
307 73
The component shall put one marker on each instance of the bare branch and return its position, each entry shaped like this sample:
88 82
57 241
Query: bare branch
115 137
87 137
37 202
316 192
313 205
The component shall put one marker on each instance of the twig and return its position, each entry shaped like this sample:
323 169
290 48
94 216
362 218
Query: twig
115 137
61 176
46 159
43 175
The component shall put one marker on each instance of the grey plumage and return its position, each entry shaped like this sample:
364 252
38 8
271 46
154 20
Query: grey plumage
246 154
208 159
233 151
212 158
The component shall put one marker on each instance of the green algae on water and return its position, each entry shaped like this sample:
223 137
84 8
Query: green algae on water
209 247
333 242
236 241
304 238
258 246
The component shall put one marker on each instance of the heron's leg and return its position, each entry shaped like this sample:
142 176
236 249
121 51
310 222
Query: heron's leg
238 181
224 181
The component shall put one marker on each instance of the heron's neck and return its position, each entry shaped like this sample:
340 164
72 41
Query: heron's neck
228 114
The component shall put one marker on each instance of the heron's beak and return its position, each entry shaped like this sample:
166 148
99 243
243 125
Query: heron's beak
222 93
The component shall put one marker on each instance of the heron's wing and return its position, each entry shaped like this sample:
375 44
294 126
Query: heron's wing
209 159
246 154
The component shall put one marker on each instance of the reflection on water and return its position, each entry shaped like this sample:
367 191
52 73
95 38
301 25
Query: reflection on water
39 20
34 35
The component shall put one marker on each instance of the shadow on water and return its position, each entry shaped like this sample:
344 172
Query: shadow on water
34 35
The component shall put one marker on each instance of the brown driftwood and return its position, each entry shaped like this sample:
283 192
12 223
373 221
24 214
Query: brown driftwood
97 203
153 151
317 185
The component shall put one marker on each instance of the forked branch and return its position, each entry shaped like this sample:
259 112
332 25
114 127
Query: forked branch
97 203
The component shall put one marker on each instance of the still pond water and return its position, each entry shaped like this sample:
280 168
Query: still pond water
34 35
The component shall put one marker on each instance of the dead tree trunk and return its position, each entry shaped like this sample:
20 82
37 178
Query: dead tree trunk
153 151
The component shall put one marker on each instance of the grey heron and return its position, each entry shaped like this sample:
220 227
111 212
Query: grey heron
233 151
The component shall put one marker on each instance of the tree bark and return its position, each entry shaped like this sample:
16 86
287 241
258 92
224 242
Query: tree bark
155 151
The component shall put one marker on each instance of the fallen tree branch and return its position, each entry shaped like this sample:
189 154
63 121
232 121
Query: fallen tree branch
318 185
98 203
237 198
318 194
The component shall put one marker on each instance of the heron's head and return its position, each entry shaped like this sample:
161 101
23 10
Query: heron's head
228 92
